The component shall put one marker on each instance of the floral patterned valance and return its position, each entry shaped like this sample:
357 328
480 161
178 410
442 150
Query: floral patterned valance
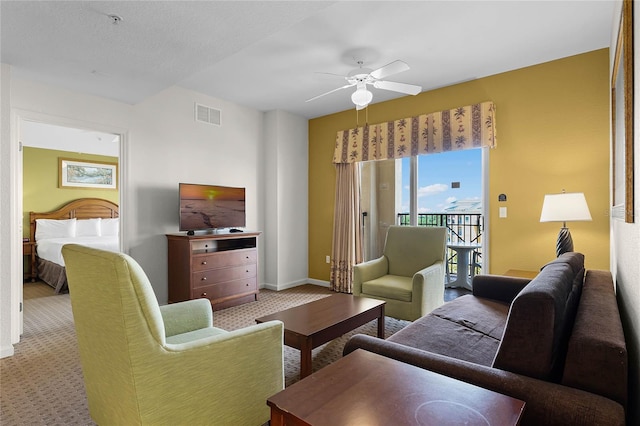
471 126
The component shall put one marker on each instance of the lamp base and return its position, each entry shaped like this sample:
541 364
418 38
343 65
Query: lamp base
565 242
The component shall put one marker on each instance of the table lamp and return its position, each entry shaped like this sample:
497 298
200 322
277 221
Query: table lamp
563 208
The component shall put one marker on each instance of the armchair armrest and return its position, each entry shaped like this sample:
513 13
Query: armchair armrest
546 402
368 271
498 287
428 286
186 316
244 364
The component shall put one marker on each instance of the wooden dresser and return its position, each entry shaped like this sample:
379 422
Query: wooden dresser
220 267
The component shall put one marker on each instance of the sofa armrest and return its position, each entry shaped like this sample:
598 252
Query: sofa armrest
368 271
186 316
546 403
498 287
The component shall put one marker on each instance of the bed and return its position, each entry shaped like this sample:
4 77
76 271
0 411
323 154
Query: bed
92 222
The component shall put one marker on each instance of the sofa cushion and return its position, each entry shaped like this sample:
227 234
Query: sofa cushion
540 319
573 259
597 355
389 287
467 328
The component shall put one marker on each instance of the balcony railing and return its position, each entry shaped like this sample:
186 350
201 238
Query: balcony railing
461 228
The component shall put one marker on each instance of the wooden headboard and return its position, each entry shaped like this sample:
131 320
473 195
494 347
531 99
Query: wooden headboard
82 208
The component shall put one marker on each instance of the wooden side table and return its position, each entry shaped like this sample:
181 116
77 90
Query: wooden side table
29 249
364 388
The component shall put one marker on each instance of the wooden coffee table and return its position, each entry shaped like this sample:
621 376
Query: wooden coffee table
364 388
310 325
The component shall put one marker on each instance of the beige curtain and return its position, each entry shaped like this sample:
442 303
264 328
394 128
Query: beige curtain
347 230
471 126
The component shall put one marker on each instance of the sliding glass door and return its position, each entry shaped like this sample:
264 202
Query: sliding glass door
444 189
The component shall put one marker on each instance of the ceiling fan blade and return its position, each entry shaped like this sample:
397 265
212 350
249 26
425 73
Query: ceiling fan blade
330 91
393 68
409 89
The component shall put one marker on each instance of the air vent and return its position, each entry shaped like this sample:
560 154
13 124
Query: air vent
205 114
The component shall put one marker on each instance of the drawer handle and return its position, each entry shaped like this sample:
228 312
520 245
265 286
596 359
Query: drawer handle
204 262
204 294
204 278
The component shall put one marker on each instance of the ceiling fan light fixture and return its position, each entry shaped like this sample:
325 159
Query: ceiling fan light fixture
361 97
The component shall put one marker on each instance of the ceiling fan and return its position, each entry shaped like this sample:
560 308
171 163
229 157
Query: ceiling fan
361 77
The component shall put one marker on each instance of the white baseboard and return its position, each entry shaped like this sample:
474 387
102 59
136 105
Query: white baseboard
6 351
293 284
318 282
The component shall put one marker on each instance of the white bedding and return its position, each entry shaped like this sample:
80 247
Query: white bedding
51 249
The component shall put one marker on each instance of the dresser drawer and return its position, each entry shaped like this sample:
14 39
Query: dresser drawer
226 289
221 275
223 259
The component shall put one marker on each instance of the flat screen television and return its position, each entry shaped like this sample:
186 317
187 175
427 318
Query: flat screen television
209 207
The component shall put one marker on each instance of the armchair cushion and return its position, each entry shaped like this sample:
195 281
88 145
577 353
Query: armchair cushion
368 271
390 287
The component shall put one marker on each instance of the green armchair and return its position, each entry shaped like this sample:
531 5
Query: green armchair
149 364
410 274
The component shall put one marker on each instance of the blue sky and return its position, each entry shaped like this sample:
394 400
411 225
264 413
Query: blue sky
435 174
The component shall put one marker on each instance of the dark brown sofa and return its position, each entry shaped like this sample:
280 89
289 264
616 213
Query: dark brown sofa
555 342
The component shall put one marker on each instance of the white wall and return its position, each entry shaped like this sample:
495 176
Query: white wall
168 146
286 209
164 145
7 246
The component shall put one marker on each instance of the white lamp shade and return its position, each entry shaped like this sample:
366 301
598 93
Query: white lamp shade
565 207
362 96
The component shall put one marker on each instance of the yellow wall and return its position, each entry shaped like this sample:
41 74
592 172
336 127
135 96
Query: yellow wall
40 182
552 124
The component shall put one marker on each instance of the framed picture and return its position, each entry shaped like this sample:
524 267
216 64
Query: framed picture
75 173
622 116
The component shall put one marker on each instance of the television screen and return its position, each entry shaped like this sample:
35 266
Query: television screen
211 207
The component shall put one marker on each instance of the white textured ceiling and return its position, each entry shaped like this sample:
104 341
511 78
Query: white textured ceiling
267 54
81 141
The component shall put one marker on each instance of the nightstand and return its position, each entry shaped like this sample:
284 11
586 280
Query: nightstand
29 249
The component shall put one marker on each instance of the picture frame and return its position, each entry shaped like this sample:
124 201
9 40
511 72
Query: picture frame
622 116
74 173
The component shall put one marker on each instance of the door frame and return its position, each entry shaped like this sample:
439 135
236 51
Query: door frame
18 116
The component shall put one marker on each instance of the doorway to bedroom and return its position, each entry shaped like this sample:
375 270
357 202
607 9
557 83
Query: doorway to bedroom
62 165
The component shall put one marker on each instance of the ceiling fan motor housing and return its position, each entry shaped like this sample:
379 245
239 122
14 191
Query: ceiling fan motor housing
360 75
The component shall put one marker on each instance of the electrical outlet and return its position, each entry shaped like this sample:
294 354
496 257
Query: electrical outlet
327 259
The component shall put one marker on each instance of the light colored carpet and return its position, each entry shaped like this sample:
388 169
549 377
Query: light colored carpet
42 383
